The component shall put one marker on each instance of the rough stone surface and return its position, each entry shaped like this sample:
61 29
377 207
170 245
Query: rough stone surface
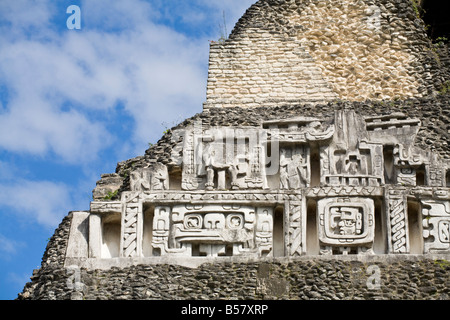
303 51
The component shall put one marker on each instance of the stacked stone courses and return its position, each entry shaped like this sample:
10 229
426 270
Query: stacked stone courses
316 51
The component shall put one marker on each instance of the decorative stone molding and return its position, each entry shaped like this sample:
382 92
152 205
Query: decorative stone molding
398 241
436 226
346 224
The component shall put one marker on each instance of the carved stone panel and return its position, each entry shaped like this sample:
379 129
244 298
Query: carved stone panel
161 228
214 228
345 223
155 177
436 226
131 221
297 224
221 158
436 175
264 231
360 167
294 167
351 159
190 180
397 215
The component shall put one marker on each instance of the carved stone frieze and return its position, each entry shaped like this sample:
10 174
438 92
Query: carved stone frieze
132 211
269 190
396 212
436 225
346 224
155 177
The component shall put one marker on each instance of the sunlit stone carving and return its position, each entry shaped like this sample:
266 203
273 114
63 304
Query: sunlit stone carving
346 224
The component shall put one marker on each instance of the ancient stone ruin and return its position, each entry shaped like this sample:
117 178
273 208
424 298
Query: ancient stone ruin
323 141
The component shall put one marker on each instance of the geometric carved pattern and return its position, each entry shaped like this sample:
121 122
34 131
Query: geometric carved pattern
346 223
436 225
130 230
397 220
295 230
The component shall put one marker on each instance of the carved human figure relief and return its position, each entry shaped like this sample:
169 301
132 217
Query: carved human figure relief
294 169
284 176
160 177
155 177
140 180
232 159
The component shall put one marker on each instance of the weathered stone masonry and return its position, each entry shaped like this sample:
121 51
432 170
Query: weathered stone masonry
407 277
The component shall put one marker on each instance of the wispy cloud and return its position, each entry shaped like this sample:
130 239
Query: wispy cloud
61 88
8 247
21 17
43 202
61 82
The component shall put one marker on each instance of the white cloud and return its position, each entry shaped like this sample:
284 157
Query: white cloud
117 15
8 247
64 85
44 202
25 15
157 72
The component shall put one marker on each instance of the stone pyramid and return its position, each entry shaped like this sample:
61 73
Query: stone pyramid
320 156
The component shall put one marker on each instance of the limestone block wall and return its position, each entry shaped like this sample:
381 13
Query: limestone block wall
283 52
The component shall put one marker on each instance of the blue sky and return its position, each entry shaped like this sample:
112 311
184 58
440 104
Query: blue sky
74 103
